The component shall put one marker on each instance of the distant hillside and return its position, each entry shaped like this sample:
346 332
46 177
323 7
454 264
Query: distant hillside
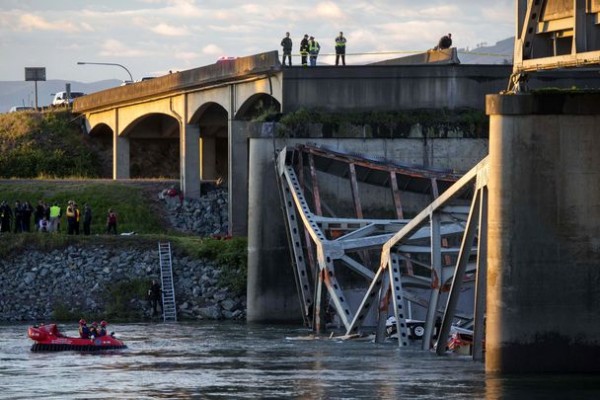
500 53
16 93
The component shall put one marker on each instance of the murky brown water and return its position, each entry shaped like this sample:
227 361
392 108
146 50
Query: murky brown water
238 361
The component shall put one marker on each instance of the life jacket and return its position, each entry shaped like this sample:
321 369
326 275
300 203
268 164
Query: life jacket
84 332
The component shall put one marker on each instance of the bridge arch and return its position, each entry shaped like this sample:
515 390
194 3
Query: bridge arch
101 130
153 146
256 105
213 121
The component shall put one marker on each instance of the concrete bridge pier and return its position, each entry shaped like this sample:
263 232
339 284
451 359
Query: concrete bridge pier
543 302
121 157
190 161
271 295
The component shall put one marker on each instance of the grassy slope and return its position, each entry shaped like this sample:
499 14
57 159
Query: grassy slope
51 145
135 202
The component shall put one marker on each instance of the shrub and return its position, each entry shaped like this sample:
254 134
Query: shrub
121 299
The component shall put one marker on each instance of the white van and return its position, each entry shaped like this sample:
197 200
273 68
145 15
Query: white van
60 98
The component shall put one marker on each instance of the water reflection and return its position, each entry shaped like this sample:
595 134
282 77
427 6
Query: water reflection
238 361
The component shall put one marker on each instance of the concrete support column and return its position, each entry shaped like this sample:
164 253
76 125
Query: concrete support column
238 178
272 294
121 154
208 159
543 283
190 161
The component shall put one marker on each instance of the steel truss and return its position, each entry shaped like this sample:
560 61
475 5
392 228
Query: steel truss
431 253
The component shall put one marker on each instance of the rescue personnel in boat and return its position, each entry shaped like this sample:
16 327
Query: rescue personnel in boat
94 330
84 331
102 329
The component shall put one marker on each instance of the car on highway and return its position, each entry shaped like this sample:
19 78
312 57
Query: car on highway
64 98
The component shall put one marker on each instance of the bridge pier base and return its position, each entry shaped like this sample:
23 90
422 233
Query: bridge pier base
190 161
544 233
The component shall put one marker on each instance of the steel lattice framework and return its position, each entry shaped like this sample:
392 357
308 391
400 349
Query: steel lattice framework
554 34
430 253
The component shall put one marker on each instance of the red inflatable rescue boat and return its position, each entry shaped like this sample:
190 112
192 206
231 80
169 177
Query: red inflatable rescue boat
48 338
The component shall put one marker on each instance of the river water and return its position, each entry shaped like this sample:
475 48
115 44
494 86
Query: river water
225 360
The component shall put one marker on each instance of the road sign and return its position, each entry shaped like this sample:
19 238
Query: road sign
35 73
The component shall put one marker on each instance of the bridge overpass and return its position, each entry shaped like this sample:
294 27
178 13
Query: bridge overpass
203 115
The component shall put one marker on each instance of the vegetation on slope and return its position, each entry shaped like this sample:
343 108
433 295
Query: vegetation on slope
48 144
51 145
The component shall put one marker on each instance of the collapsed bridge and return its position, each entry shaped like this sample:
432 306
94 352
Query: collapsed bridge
391 266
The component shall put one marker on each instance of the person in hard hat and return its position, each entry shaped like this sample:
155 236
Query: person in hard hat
102 329
84 331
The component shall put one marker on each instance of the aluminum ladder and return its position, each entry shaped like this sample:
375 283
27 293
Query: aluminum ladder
169 307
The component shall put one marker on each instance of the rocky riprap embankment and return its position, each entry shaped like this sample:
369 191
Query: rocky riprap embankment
206 216
34 284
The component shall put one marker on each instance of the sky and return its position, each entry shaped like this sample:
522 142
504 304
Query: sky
152 37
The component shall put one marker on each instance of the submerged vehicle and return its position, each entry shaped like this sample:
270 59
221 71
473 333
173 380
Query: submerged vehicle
416 328
49 338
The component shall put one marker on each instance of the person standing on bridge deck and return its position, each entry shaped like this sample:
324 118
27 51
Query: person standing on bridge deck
444 43
286 43
340 49
313 49
304 50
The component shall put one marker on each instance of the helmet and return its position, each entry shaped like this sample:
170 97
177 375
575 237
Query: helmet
94 323
103 323
82 322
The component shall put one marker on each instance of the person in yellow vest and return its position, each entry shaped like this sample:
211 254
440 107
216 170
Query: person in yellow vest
55 214
313 50
340 49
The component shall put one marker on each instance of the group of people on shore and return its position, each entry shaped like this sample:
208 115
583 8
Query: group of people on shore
47 218
310 49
